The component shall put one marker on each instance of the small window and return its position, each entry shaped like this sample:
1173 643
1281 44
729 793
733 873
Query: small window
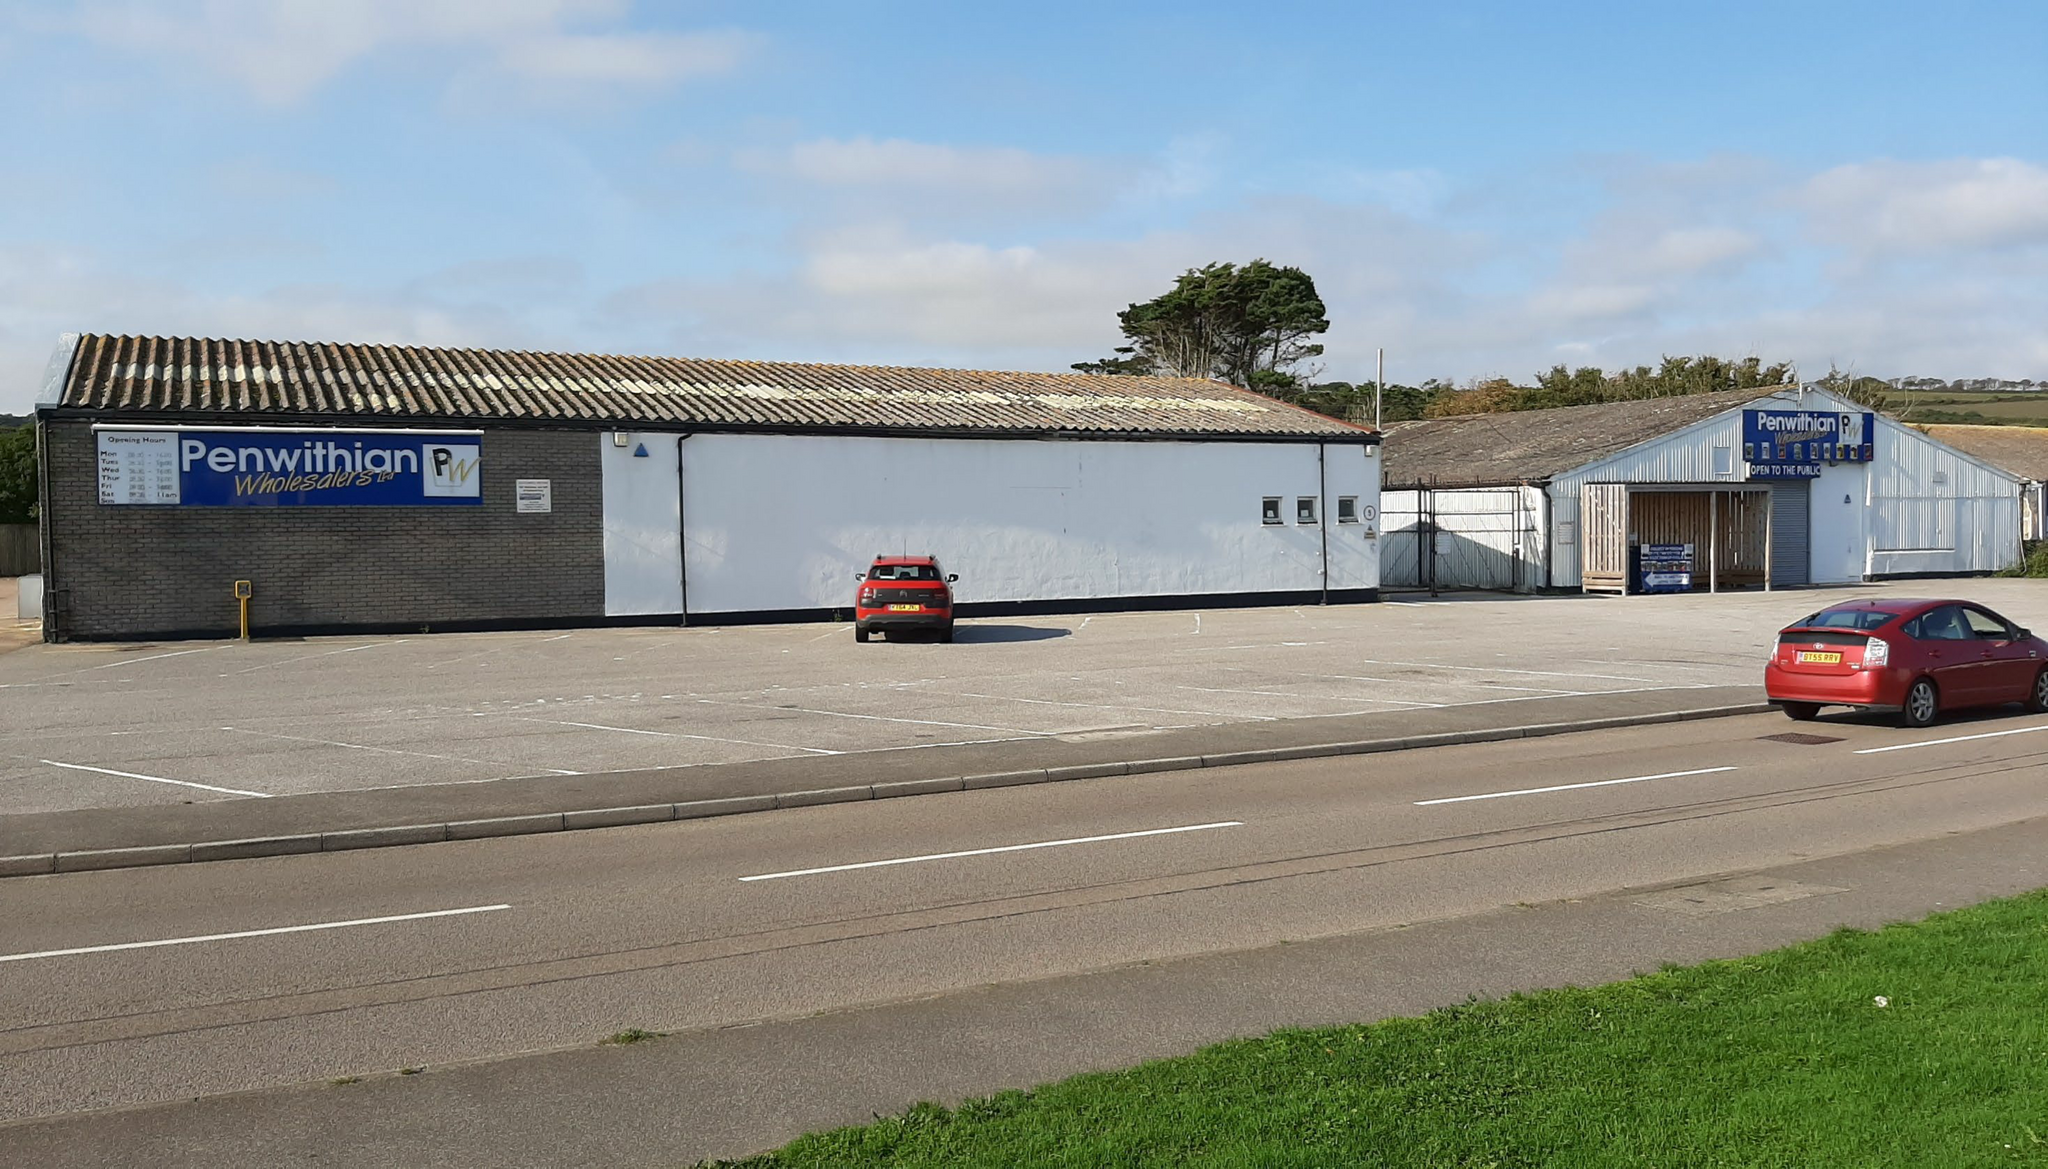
1305 509
1347 509
1985 627
1724 460
1269 512
1944 624
1849 618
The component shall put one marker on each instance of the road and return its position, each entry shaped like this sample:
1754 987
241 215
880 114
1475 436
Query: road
127 987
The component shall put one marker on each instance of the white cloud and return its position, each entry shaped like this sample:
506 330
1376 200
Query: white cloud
1895 207
648 60
893 162
284 50
46 292
893 178
1676 260
1684 250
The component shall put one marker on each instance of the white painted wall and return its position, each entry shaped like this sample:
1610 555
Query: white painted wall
643 524
784 521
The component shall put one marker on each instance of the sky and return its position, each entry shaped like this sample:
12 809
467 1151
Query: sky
1483 189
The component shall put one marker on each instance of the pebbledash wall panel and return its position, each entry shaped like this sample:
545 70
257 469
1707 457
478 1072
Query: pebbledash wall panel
782 522
121 571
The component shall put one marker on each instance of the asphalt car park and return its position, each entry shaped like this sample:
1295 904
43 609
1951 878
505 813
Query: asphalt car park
108 725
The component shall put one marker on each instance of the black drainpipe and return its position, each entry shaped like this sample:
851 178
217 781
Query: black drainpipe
1323 514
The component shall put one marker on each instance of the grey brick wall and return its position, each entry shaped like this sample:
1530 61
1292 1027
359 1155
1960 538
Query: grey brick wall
139 572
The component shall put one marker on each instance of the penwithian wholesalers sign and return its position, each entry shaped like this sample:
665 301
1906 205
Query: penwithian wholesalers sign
290 468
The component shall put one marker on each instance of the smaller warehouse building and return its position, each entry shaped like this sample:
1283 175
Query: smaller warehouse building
398 488
1779 487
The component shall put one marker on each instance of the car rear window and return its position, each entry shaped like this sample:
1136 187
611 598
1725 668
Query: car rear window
1849 619
903 572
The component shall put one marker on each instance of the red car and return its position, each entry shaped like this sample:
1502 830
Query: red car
1918 658
902 593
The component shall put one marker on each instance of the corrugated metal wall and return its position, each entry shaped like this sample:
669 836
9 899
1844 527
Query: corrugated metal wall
1935 509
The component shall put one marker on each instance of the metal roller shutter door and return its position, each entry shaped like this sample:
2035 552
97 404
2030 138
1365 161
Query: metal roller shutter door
1791 562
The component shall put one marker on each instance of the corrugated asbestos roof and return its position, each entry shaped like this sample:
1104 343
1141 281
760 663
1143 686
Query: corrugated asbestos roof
299 380
1526 446
2019 450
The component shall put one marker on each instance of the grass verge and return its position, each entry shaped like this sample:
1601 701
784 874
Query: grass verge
1915 1045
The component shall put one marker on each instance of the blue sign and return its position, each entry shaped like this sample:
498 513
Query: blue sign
1665 568
1796 444
290 468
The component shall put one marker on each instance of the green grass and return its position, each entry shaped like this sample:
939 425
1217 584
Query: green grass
1782 1060
2034 563
629 1036
1986 409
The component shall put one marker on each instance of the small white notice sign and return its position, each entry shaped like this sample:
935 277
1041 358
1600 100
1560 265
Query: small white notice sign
138 466
535 495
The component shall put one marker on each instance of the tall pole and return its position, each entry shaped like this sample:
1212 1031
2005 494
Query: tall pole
1379 388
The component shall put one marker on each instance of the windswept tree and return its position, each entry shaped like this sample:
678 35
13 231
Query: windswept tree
1251 326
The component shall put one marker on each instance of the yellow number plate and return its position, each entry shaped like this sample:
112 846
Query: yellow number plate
915 608
1821 659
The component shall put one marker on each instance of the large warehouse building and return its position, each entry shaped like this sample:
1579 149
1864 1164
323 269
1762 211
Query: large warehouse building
1772 487
373 487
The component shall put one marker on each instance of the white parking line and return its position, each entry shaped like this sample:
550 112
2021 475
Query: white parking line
1565 787
324 654
178 653
944 856
283 929
380 750
1957 739
232 791
923 722
1309 697
676 735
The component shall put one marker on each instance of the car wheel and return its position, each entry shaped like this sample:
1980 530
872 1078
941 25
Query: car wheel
2037 698
860 635
1922 704
1801 711
946 636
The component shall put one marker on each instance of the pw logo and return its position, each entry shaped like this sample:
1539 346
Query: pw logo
454 471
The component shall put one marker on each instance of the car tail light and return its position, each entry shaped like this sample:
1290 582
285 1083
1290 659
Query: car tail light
1877 652
867 597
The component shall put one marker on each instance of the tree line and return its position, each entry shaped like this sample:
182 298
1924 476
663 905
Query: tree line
18 474
1254 326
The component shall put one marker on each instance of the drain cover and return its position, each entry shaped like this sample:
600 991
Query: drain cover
1800 739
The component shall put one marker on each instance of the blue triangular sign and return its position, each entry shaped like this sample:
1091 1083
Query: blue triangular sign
640 452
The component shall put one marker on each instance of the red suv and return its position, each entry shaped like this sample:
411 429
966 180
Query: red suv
903 592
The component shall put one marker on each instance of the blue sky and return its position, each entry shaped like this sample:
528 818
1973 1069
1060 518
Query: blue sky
1481 188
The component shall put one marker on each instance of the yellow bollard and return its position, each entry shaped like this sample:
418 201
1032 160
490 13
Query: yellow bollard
243 591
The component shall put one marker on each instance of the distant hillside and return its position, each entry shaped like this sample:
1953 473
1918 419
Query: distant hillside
10 421
1972 385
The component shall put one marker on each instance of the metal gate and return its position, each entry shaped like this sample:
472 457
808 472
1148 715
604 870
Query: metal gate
1463 538
1790 559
